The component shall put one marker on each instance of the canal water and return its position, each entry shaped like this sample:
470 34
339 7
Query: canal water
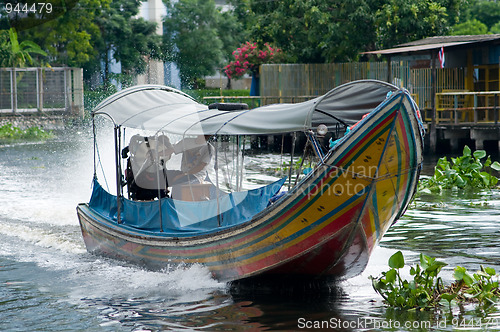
48 282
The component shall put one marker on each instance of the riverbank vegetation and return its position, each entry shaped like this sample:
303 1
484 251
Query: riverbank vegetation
426 289
9 132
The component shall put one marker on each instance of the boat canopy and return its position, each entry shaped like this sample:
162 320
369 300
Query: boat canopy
164 109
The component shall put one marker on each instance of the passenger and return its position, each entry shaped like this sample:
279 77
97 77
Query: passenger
146 166
196 156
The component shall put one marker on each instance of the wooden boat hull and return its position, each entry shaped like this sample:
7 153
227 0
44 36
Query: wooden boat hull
326 227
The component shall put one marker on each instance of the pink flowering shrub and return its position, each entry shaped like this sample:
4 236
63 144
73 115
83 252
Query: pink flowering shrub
248 57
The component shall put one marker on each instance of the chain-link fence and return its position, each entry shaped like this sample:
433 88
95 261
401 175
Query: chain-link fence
41 90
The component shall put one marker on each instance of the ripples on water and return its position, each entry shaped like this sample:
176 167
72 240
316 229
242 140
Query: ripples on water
48 282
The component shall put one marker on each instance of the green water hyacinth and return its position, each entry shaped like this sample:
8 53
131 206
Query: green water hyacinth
464 172
426 290
421 292
481 287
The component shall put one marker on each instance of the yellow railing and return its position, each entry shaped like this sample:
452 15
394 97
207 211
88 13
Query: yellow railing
457 107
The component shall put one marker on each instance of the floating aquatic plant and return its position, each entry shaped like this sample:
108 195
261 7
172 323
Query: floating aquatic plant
465 172
426 290
422 291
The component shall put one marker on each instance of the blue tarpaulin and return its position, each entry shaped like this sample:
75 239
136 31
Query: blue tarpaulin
183 217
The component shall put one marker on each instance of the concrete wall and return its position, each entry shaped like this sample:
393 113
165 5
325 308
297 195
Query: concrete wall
221 82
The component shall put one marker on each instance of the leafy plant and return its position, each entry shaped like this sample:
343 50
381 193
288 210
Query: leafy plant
8 131
17 54
426 290
466 171
422 291
481 287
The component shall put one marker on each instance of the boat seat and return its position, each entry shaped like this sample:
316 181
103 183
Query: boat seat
192 192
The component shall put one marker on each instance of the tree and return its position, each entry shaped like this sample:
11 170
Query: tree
231 32
92 30
316 31
301 28
191 38
495 28
125 37
480 17
69 39
401 21
487 12
470 27
14 53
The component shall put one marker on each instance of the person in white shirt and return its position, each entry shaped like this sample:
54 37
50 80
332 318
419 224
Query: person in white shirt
196 156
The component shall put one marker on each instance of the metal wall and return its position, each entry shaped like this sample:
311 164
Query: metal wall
309 80
448 79
41 90
300 80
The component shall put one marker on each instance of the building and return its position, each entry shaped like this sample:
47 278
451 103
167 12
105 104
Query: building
456 82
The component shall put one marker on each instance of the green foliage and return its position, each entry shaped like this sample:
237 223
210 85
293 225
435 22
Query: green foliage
495 28
93 30
426 289
464 172
487 12
336 31
422 291
400 21
311 31
481 287
231 32
470 27
191 39
127 38
9 132
15 53
72 38
199 37
478 17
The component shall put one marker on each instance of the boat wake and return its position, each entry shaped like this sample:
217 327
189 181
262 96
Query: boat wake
84 275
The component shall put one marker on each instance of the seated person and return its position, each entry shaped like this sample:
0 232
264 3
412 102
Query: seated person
145 172
196 156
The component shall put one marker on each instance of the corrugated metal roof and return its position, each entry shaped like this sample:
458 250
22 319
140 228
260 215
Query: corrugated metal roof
451 39
437 42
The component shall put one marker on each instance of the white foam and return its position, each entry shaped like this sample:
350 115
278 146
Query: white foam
87 276
40 237
104 278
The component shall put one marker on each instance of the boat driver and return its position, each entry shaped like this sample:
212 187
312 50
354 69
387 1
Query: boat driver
196 156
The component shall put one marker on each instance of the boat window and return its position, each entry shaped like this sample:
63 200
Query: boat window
192 168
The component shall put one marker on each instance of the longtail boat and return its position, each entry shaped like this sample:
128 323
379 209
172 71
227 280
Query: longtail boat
321 221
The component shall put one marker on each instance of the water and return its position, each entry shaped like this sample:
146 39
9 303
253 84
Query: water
48 282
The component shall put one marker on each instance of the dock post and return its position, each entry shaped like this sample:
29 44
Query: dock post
433 130
479 144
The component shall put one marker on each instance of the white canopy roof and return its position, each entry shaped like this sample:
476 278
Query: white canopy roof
161 108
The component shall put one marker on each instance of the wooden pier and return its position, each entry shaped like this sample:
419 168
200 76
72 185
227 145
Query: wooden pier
464 115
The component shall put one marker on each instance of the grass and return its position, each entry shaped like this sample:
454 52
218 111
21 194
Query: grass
10 132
